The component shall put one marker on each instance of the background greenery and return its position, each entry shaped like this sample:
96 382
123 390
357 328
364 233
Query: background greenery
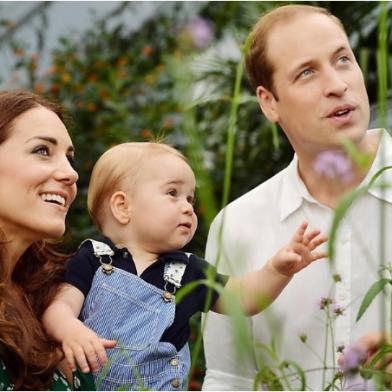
121 85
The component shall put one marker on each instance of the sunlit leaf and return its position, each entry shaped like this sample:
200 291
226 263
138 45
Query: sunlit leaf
374 290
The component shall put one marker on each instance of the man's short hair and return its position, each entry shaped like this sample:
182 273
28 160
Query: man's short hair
259 67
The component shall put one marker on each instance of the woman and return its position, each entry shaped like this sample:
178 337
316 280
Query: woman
38 184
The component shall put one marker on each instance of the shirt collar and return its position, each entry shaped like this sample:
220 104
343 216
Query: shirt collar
294 191
164 257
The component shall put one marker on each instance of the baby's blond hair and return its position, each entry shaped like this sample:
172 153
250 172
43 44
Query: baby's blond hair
120 165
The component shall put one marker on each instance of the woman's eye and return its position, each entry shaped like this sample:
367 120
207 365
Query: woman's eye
71 160
41 150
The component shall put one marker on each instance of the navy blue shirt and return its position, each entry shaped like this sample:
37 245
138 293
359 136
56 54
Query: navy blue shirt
81 269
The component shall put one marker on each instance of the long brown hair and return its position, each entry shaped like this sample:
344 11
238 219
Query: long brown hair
29 354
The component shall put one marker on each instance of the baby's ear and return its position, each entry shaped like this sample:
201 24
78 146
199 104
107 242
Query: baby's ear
119 207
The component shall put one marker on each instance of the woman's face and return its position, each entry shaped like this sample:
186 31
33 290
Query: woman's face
38 182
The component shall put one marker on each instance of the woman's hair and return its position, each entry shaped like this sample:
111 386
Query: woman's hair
258 65
118 167
30 356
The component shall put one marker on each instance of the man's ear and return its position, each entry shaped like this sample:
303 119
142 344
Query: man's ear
119 207
268 104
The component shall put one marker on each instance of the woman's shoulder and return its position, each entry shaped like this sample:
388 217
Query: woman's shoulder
81 381
5 382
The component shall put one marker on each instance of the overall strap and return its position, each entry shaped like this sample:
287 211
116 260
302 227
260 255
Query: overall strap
173 273
100 250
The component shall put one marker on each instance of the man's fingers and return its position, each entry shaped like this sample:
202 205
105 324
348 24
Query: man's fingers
372 341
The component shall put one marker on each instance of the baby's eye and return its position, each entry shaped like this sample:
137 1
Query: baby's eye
41 150
172 192
191 200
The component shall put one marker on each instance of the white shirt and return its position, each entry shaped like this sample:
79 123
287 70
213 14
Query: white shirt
255 226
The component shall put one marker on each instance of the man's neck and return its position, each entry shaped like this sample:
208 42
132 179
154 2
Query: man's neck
329 190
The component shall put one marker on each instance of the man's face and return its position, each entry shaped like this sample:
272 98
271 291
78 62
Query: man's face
320 92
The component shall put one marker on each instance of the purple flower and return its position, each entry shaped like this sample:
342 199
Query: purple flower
200 32
338 310
334 164
325 302
352 358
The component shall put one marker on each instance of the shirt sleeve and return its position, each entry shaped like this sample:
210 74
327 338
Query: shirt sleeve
223 369
207 295
81 268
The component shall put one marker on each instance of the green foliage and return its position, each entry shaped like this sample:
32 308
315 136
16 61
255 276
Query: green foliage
374 290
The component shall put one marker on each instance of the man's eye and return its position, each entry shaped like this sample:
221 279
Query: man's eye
41 150
306 72
343 59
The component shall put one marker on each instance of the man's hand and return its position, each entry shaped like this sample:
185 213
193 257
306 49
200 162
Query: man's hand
364 352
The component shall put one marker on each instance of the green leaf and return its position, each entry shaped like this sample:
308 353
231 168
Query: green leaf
189 287
299 371
268 378
344 206
374 290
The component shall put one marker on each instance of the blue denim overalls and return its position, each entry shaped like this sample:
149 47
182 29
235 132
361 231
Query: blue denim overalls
124 307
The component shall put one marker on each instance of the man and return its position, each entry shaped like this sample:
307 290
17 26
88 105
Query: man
306 79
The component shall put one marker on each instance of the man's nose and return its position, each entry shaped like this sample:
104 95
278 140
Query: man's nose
335 83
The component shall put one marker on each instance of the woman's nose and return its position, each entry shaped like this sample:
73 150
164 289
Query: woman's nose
66 173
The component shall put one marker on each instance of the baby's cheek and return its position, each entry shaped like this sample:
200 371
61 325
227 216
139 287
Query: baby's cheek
194 226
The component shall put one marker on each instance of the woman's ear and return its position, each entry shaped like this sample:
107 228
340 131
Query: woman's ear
268 104
119 207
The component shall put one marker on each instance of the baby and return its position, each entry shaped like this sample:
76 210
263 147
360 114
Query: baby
141 196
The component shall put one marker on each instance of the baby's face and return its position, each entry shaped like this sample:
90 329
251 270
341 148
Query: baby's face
161 204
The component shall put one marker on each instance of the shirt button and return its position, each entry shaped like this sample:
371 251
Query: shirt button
175 382
125 255
174 362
